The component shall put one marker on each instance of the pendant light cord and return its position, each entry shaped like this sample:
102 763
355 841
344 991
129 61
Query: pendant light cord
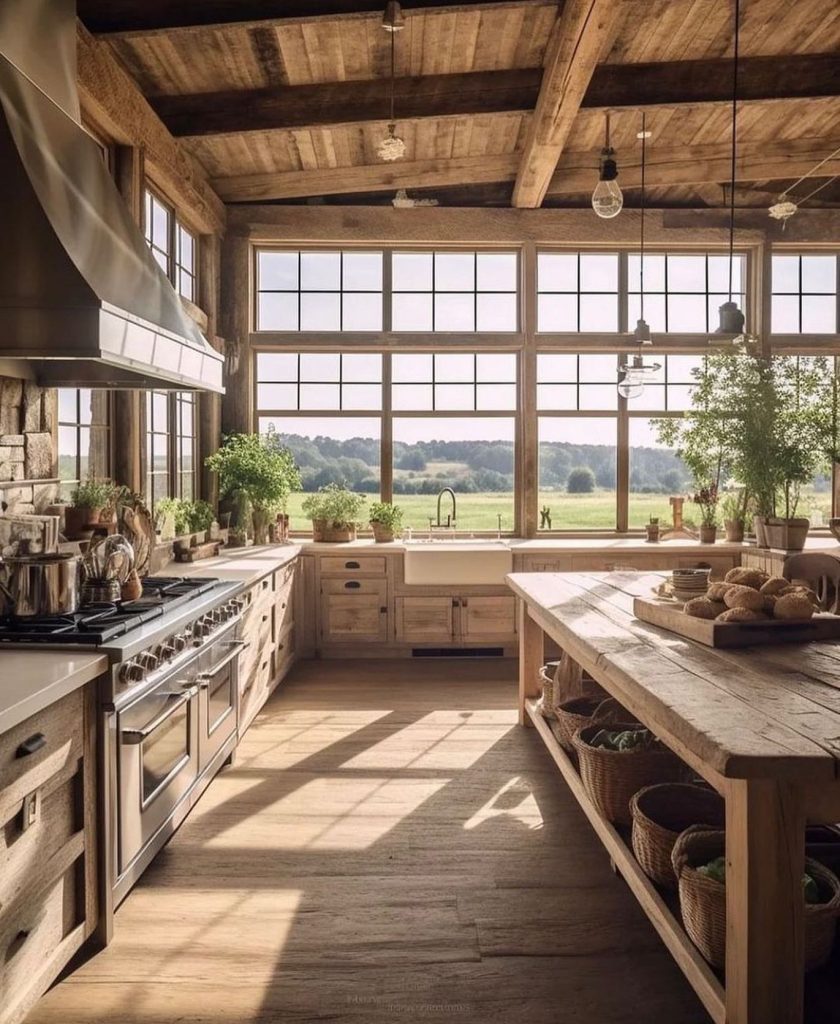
734 143
393 71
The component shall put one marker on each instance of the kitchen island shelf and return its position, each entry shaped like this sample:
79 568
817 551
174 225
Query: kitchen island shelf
700 975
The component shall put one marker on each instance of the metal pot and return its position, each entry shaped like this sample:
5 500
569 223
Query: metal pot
39 585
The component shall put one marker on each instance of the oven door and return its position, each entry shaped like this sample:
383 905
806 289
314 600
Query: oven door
157 739
218 698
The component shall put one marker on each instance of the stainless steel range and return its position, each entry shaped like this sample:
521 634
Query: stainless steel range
169 707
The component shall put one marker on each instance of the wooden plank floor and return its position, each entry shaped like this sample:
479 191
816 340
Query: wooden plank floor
389 846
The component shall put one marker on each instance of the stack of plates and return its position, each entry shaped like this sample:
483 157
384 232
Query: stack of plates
688 583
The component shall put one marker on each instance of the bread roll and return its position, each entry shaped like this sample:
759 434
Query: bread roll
717 590
703 608
775 585
746 577
739 596
741 615
793 606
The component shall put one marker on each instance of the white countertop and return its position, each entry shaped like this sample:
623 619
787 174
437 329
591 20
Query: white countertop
32 680
245 565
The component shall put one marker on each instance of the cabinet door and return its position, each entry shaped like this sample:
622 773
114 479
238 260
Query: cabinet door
488 618
424 620
354 611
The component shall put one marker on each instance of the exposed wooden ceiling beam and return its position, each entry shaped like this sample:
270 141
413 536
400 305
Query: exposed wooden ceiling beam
575 173
578 39
482 92
130 18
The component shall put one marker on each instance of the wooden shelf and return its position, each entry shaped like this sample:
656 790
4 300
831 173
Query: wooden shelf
701 977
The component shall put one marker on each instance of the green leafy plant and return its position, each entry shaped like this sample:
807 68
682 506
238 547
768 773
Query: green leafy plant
706 499
258 473
735 507
200 515
176 508
95 494
390 516
335 505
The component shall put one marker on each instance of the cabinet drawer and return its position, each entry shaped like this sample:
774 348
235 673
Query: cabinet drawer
38 748
27 853
284 577
364 565
353 586
30 935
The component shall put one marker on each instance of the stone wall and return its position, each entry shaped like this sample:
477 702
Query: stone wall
27 449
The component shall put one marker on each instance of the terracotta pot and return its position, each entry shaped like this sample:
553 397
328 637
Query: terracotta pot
708 534
734 530
787 534
382 534
652 531
759 530
77 525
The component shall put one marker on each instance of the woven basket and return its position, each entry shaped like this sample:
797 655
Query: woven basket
611 777
660 813
703 900
579 712
561 681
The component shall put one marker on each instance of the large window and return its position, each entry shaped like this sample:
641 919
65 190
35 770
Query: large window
158 463
319 291
173 245
577 292
465 381
84 436
171 439
804 299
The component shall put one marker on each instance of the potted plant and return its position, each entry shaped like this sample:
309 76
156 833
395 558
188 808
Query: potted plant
335 513
170 518
706 499
258 474
652 530
734 507
88 500
199 515
385 520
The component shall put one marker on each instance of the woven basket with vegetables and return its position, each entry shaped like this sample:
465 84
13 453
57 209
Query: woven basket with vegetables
617 761
573 715
660 813
699 863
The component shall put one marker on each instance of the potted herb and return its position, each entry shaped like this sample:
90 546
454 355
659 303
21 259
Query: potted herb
734 508
170 518
652 530
335 513
385 520
706 499
258 473
89 500
199 515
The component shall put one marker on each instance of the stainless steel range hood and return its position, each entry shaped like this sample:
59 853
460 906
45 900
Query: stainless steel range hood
81 298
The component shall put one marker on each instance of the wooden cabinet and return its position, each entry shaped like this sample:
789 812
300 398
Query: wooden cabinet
426 620
48 880
454 620
354 610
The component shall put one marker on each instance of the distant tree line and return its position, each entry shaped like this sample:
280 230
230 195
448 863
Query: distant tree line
482 466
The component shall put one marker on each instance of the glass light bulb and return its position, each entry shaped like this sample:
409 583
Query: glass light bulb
630 386
607 199
392 147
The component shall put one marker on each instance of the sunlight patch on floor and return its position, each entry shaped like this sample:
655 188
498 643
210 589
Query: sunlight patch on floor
428 743
515 801
331 813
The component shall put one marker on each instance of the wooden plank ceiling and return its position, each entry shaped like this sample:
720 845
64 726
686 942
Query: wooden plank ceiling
497 102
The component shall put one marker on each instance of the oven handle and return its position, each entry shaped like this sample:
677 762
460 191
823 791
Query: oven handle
175 701
205 678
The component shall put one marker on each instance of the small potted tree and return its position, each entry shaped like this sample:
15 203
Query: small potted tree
385 520
335 512
258 474
734 507
706 499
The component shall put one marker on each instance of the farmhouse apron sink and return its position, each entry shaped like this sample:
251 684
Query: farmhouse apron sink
456 563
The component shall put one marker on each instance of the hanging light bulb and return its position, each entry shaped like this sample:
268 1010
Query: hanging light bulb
629 386
392 147
607 199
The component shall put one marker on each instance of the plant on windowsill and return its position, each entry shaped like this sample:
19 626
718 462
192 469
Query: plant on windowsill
91 502
335 512
735 507
258 474
706 499
652 530
386 521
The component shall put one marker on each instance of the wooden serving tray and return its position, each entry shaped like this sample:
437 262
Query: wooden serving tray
669 615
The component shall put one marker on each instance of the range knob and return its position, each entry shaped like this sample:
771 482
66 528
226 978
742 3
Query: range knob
131 672
180 641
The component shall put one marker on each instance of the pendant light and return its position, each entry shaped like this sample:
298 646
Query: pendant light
392 147
731 317
632 374
607 199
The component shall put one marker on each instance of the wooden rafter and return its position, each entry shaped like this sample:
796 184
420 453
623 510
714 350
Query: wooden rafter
578 40
669 84
576 172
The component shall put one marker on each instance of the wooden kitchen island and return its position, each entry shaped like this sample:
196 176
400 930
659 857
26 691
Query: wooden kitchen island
761 725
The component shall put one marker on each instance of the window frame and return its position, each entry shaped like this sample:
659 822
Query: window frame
77 426
174 474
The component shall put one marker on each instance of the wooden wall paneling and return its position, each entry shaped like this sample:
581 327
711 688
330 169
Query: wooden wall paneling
114 102
235 320
209 405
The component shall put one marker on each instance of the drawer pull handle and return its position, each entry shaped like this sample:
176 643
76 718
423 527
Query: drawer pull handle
352 585
30 746
16 944
352 565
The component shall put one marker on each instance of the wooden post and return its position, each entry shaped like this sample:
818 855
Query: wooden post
235 320
765 856
531 655
209 404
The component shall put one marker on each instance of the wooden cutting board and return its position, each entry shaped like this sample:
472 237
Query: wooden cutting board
669 615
